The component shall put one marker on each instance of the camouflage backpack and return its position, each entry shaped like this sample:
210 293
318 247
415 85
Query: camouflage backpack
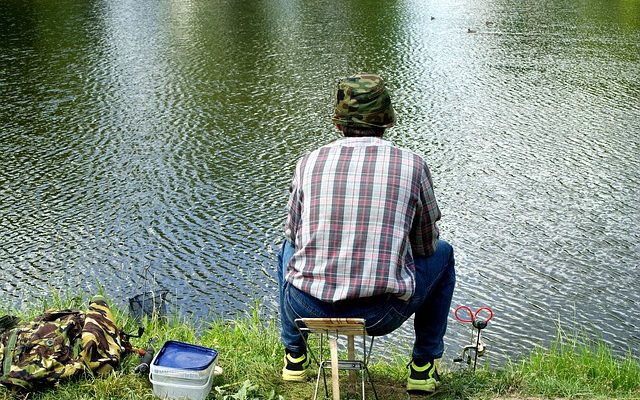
60 344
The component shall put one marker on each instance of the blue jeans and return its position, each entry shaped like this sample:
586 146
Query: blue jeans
435 280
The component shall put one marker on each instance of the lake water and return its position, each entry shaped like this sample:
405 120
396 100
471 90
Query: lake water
149 144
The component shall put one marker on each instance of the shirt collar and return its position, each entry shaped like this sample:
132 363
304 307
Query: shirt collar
361 141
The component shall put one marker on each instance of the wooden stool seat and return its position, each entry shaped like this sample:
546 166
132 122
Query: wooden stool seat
330 329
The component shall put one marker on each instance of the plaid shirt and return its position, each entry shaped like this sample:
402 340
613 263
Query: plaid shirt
359 210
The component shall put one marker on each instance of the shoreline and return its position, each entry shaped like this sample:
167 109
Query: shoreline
250 354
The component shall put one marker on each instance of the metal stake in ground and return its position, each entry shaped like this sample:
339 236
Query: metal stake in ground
476 324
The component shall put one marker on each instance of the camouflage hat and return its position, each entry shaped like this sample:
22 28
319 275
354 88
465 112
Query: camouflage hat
363 100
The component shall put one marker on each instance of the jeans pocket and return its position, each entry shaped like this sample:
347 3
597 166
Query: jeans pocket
302 305
388 321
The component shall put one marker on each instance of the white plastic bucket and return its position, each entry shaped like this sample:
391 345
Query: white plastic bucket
182 370
173 390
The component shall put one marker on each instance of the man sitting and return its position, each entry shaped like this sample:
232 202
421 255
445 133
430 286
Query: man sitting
361 237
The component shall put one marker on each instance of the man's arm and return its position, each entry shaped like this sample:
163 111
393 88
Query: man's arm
424 232
294 209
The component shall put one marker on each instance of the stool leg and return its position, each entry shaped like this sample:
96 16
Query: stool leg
322 363
335 382
367 355
373 387
352 356
315 392
362 383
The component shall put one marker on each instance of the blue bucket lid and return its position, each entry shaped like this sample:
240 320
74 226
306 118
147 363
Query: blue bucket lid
181 355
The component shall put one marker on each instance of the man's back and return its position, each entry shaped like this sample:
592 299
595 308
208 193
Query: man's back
359 209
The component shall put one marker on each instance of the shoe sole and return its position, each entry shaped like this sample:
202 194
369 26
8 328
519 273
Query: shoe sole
430 386
294 376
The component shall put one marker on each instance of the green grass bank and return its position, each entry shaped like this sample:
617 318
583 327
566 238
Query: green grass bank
250 354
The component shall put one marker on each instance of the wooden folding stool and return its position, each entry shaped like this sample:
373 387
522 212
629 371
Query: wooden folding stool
330 329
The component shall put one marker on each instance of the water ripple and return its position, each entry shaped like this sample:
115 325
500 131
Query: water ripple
151 146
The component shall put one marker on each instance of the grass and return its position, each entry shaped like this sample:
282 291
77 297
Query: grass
576 367
250 353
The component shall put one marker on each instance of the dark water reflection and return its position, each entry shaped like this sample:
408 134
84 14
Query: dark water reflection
147 145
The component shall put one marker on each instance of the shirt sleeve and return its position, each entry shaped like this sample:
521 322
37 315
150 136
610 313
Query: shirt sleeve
424 232
294 209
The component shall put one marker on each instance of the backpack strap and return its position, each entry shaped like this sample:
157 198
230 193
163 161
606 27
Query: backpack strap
8 354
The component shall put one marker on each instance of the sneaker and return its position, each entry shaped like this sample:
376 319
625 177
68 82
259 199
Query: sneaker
295 368
423 379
